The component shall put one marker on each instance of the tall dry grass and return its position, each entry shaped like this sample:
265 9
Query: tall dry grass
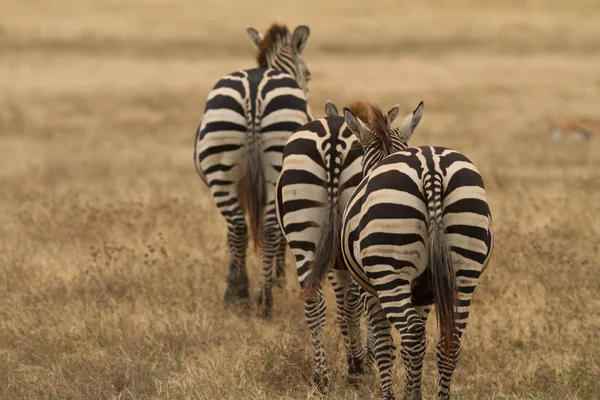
112 253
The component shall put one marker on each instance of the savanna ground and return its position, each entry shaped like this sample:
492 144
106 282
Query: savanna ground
112 253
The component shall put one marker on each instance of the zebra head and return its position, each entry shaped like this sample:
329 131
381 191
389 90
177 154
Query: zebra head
280 50
374 130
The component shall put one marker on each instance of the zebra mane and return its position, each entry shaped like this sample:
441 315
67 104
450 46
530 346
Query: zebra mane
276 36
376 120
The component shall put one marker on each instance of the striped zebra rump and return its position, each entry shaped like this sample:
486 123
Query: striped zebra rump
249 116
439 193
320 173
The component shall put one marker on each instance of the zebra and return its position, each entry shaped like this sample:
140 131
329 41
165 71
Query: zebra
321 168
248 118
416 232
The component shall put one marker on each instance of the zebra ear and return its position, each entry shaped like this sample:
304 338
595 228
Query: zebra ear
331 110
411 121
255 36
392 114
354 124
300 38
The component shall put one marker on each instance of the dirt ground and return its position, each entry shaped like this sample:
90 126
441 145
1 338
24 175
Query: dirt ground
113 255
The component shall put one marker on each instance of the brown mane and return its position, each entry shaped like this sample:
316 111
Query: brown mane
276 34
375 119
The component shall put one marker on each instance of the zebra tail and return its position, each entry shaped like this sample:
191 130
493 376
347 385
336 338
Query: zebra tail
327 249
442 279
255 187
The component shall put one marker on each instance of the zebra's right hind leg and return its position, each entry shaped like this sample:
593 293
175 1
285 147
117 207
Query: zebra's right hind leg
347 298
237 278
268 251
279 279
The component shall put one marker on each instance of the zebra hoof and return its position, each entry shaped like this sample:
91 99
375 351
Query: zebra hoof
265 313
354 379
237 290
356 371
415 395
321 382
279 282
236 296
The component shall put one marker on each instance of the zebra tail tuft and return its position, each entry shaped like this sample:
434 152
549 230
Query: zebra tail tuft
255 188
327 249
442 279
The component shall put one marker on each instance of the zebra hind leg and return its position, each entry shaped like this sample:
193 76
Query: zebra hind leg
237 278
383 348
403 315
347 317
279 279
270 246
314 312
370 343
353 312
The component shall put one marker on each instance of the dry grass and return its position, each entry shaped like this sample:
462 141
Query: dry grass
112 254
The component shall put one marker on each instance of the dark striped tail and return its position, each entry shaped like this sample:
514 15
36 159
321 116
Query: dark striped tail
327 249
255 196
442 280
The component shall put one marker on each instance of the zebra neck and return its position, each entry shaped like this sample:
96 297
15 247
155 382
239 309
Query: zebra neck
370 161
281 60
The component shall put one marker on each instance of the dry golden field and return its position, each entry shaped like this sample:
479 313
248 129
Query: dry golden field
113 255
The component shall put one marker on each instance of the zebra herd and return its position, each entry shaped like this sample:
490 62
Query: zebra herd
396 229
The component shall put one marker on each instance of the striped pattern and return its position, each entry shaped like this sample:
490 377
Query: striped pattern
248 118
416 232
320 172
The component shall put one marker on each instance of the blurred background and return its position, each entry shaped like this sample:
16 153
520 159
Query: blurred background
113 255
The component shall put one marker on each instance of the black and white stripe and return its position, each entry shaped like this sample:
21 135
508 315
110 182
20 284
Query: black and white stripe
248 118
319 173
416 232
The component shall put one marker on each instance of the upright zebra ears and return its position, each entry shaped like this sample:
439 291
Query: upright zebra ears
408 126
355 125
255 36
392 114
331 110
300 38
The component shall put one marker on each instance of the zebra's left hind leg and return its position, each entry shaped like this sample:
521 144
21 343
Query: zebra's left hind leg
237 241
280 280
314 312
383 347
403 315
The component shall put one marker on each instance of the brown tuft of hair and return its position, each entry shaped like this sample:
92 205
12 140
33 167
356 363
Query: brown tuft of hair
275 32
376 120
